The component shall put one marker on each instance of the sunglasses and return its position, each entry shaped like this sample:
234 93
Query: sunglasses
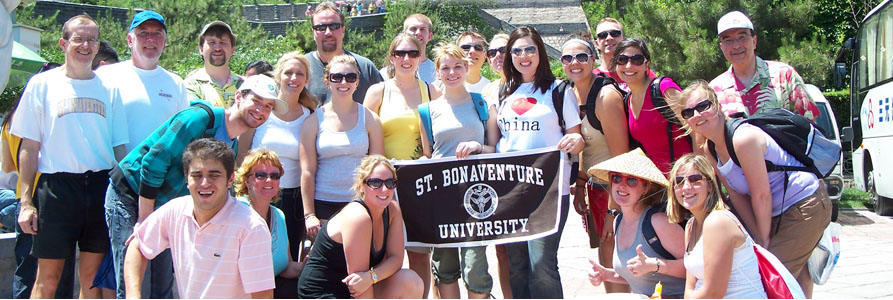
580 57
330 26
692 179
604 34
617 178
529 50
337 77
468 47
376 183
700 108
264 175
637 59
403 53
495 51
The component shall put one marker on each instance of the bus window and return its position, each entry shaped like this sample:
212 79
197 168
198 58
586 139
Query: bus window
885 34
866 56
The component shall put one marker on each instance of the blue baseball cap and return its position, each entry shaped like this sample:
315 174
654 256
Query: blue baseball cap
144 16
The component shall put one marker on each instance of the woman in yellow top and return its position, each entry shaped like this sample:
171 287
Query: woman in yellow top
396 102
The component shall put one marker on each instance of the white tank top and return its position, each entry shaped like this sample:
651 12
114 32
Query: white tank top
338 154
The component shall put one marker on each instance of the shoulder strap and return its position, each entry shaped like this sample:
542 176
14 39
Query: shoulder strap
651 236
481 105
558 102
425 115
589 107
660 102
209 129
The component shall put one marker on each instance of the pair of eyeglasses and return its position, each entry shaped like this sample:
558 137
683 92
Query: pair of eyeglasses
692 179
77 40
264 175
338 77
376 183
404 53
617 178
330 26
701 107
495 51
604 34
580 57
468 47
529 50
637 59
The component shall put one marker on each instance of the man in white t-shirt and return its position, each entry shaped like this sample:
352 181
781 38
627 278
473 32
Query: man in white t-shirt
419 26
73 130
151 95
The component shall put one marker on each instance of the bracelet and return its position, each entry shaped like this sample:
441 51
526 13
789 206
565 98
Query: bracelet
658 266
308 216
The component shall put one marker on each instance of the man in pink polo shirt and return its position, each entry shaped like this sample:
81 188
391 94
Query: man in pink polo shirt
220 249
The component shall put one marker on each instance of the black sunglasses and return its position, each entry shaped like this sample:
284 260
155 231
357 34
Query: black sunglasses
337 77
376 183
495 51
264 175
467 47
604 34
580 57
692 179
529 50
402 53
330 26
617 178
637 59
700 108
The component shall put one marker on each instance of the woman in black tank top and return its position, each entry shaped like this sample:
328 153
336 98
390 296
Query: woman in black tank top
359 252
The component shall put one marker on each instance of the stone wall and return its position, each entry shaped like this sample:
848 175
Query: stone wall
274 18
47 8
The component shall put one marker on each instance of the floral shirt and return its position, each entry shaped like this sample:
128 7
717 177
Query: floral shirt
200 85
776 84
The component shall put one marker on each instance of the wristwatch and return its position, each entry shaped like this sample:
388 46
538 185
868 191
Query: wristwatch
374 276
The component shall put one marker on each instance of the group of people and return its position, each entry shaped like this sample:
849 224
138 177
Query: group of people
135 166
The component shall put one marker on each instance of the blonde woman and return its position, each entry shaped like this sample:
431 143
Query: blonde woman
359 252
719 258
334 140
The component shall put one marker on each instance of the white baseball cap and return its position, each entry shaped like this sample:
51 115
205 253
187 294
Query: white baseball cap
264 87
733 20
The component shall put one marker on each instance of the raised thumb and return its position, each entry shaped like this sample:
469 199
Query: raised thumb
640 253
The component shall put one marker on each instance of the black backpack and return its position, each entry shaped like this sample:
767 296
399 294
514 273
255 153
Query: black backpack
558 101
798 136
588 109
209 129
659 103
648 232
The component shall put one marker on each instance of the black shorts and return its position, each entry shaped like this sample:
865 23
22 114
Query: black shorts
70 209
326 210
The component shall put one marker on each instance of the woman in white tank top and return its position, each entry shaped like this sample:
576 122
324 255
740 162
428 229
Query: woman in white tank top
334 140
719 255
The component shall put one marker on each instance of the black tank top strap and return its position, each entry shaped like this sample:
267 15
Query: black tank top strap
376 257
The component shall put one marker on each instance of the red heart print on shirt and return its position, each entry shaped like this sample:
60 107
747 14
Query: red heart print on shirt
522 105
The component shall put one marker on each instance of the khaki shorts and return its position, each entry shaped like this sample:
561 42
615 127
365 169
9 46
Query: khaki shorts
796 232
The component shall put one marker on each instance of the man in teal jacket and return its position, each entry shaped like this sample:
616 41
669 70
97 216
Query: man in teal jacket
152 173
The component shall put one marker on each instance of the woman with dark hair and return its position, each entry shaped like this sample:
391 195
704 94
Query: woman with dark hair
637 186
651 123
527 119
258 67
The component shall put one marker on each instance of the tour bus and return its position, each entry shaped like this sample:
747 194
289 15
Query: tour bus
871 119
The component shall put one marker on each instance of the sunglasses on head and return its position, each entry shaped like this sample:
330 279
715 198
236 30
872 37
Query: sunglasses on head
264 175
495 51
376 183
700 108
580 57
604 34
337 77
637 59
692 179
529 50
468 47
330 26
403 53
617 178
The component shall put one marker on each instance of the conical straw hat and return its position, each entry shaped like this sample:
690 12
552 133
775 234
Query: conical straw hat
633 163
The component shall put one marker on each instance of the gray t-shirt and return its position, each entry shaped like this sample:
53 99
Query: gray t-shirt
369 75
452 125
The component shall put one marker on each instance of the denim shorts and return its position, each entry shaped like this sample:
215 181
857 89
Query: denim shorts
471 261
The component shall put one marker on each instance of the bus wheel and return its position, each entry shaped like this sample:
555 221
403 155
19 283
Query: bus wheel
881 203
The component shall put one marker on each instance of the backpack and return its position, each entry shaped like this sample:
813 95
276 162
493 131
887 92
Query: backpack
588 109
648 231
795 134
659 103
425 114
209 129
558 101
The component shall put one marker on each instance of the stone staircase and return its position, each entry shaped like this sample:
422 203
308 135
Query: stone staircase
553 19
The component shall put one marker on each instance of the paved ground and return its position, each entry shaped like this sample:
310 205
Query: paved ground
864 270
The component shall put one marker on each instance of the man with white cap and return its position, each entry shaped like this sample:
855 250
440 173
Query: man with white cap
152 173
214 82
151 95
751 83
